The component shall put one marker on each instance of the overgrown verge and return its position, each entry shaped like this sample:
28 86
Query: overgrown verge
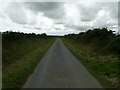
94 52
21 56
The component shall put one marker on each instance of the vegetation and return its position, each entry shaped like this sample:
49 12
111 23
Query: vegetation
98 50
21 53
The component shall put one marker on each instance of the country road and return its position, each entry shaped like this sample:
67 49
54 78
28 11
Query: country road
60 69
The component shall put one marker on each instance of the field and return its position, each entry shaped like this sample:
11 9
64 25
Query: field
21 56
98 50
94 50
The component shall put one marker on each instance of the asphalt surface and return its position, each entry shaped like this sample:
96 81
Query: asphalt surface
60 69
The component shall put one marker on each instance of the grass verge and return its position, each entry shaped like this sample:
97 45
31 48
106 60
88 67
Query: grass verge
103 67
15 74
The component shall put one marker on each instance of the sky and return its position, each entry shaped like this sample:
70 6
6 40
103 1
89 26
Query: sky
57 18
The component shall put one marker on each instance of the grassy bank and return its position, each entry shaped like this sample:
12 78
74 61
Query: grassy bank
99 50
103 67
20 57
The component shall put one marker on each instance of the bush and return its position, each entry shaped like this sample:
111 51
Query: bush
101 39
115 45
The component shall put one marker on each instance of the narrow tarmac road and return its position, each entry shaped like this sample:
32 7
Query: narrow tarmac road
60 69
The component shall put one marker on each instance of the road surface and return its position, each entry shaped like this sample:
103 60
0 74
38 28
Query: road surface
60 69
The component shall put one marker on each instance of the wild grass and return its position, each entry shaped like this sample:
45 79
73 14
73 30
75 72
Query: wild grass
20 57
103 66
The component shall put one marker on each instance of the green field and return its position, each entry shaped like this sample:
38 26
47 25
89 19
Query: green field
20 57
98 50
103 67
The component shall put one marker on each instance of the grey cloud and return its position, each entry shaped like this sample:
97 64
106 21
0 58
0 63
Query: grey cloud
104 21
88 13
79 28
86 19
82 28
27 26
32 27
42 6
57 28
119 9
16 13
38 28
59 21
119 17
112 7
53 10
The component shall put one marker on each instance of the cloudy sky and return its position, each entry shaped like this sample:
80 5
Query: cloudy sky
57 18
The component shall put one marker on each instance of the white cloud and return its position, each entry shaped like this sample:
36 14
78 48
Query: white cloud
17 13
57 18
88 12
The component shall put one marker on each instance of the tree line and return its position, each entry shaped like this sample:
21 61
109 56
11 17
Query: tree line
11 36
101 39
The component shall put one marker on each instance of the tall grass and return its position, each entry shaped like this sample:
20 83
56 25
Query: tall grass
102 40
99 51
20 57
103 67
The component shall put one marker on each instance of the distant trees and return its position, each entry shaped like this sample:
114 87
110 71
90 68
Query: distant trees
115 44
11 36
99 37
17 44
